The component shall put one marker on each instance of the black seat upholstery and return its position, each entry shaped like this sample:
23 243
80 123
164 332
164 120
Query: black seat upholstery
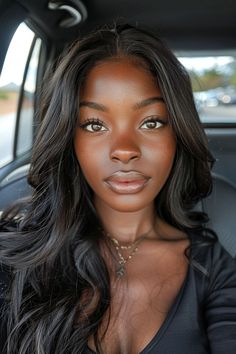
220 205
14 187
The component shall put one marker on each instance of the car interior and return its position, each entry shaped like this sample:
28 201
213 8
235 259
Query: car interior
41 30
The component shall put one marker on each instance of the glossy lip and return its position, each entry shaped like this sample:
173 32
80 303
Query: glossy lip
127 182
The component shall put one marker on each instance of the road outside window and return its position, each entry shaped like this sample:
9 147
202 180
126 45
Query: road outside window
11 81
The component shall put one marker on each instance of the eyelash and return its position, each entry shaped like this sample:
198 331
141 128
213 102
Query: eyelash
97 121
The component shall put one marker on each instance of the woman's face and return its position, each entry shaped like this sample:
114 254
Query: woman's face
122 127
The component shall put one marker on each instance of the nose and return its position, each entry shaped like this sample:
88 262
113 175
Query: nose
124 150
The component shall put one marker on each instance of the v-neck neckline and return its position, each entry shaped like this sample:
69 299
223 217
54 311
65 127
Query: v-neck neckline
170 315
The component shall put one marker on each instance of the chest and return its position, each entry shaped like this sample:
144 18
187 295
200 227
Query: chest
140 306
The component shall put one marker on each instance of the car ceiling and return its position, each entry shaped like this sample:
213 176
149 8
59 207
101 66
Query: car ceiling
184 24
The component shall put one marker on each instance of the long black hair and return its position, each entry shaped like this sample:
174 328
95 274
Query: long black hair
52 253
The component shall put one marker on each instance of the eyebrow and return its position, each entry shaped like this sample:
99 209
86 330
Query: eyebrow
147 102
138 105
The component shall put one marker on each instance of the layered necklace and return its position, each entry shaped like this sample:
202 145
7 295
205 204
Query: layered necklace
133 247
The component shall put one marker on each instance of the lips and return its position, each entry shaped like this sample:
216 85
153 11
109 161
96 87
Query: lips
127 182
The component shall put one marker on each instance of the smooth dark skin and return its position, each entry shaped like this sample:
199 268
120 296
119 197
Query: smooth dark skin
156 272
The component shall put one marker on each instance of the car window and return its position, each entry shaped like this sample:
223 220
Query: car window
17 88
25 127
213 78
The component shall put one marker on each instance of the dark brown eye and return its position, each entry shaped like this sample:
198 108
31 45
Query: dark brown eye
93 125
96 127
153 123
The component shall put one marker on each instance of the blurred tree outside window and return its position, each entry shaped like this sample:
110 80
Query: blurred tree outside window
213 80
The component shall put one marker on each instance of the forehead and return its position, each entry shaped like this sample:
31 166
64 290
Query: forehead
119 77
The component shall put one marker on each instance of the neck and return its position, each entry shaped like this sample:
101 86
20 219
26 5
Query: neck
127 227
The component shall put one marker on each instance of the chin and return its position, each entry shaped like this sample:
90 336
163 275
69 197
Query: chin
129 206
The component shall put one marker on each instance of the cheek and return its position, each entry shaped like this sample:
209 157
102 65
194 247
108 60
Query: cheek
90 158
161 157
167 156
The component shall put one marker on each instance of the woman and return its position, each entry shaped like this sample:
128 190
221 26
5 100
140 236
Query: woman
109 256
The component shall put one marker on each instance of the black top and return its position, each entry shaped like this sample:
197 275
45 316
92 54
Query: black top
202 319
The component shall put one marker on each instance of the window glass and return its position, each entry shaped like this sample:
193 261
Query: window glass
213 77
10 85
25 132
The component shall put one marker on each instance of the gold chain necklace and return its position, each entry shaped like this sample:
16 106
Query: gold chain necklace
120 271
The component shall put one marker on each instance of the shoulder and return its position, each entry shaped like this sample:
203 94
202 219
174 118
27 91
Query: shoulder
222 267
215 262
219 296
